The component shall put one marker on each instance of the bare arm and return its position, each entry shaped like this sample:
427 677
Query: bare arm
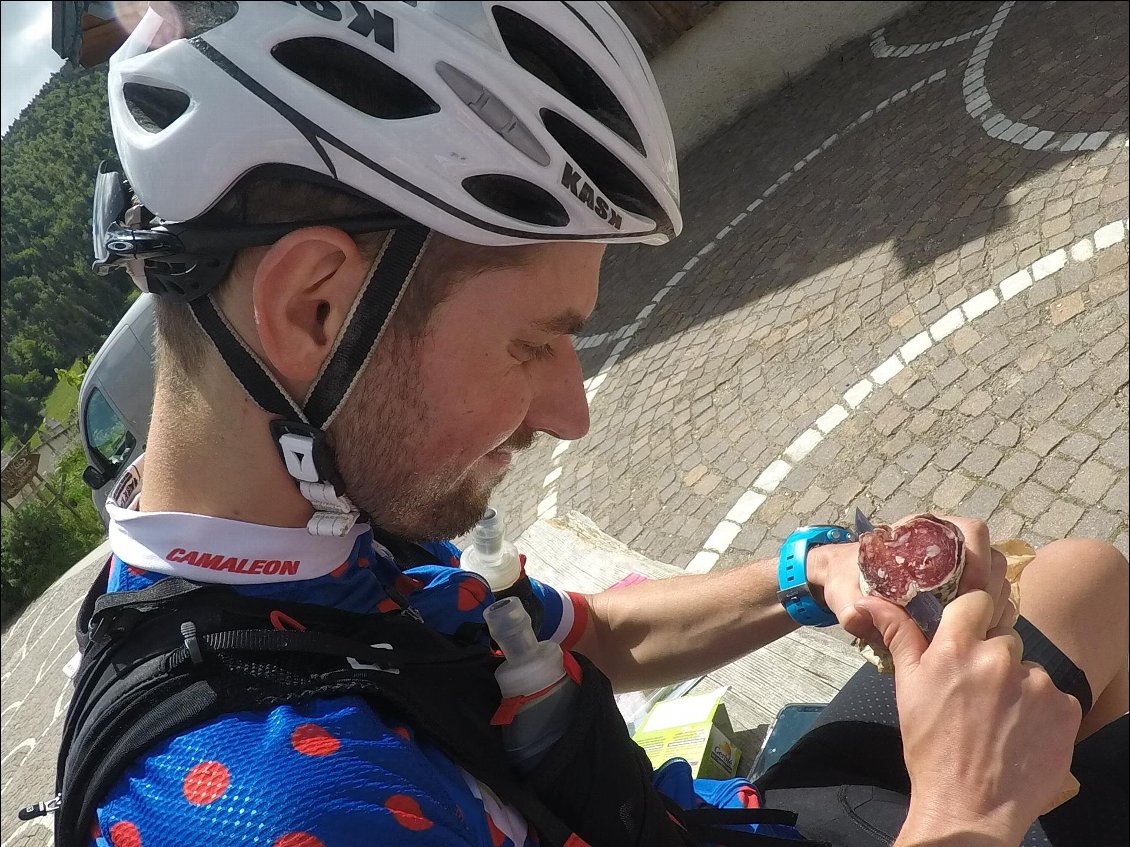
658 632
1009 760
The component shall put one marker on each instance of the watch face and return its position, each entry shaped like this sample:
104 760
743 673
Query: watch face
827 533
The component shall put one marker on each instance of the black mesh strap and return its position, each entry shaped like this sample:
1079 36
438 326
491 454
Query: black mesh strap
391 273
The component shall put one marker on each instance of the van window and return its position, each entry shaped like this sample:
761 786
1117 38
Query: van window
106 432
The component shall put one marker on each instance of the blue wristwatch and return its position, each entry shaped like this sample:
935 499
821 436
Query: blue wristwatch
792 576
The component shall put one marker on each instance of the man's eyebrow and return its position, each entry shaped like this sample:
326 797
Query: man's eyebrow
567 323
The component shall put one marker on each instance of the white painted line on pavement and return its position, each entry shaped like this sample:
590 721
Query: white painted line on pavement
702 562
831 418
747 504
980 107
882 50
858 393
626 333
887 371
772 476
948 323
803 444
979 304
1013 285
723 535
914 348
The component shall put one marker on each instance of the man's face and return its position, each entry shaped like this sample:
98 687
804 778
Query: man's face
431 427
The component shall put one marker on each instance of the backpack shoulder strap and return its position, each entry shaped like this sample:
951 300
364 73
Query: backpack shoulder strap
169 657
97 589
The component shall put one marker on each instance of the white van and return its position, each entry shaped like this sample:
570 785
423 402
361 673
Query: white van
116 400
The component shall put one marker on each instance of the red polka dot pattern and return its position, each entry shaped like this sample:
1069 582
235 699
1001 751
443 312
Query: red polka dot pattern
407 812
206 783
472 593
125 834
403 732
298 839
340 569
748 797
406 584
387 605
309 739
281 621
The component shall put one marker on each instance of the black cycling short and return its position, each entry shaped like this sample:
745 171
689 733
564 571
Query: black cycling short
847 780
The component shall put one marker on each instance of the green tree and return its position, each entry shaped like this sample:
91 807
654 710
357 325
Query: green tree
41 539
53 307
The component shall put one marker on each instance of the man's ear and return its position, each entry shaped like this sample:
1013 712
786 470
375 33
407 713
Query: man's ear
302 292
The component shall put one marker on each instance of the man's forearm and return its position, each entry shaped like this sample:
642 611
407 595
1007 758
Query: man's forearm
654 633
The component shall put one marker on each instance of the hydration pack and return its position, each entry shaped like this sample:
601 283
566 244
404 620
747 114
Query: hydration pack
160 661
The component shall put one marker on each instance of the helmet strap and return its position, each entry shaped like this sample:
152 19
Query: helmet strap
299 432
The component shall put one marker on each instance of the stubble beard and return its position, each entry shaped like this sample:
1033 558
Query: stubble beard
377 446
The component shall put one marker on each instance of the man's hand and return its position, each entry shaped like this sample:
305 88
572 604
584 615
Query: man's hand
987 738
834 573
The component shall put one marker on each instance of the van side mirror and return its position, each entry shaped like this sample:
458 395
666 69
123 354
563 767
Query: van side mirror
94 477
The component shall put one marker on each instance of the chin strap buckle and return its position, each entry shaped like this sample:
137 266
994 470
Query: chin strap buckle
308 460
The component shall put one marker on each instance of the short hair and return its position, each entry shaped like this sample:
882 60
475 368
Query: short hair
263 197
446 262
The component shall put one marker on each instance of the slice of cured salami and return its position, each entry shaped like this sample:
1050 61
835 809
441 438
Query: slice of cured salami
921 553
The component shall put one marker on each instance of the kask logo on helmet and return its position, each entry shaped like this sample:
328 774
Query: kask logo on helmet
366 22
584 192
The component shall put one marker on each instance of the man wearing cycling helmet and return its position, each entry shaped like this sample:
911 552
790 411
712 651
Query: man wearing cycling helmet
372 229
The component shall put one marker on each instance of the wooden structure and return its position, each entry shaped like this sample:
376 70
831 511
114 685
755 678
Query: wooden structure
806 666
20 478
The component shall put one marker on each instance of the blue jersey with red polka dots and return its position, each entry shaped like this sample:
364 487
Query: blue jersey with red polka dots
333 772
328 771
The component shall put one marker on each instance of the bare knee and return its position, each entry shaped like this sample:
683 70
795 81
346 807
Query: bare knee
1082 582
1086 562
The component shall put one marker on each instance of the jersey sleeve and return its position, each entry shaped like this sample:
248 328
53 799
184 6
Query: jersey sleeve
565 614
327 773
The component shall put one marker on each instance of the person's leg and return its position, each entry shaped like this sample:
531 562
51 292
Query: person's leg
1074 601
1075 593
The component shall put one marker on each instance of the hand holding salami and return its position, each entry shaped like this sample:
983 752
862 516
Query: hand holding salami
923 557
964 561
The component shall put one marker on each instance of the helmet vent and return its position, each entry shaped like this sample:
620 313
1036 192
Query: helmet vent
516 198
611 176
355 78
551 60
152 107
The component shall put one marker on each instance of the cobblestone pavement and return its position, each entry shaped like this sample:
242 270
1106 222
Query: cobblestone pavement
828 237
903 285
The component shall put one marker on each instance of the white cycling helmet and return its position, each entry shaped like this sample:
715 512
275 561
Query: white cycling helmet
495 123
499 123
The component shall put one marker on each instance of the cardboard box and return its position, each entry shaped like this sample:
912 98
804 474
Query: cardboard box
696 728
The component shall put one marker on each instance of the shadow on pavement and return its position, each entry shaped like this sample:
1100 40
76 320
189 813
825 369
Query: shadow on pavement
921 176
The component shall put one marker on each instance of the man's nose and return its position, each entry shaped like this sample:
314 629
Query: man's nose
560 406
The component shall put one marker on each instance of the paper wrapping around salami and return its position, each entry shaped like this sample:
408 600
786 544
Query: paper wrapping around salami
921 553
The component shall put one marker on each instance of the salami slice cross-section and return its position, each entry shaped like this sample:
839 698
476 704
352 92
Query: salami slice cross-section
921 553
